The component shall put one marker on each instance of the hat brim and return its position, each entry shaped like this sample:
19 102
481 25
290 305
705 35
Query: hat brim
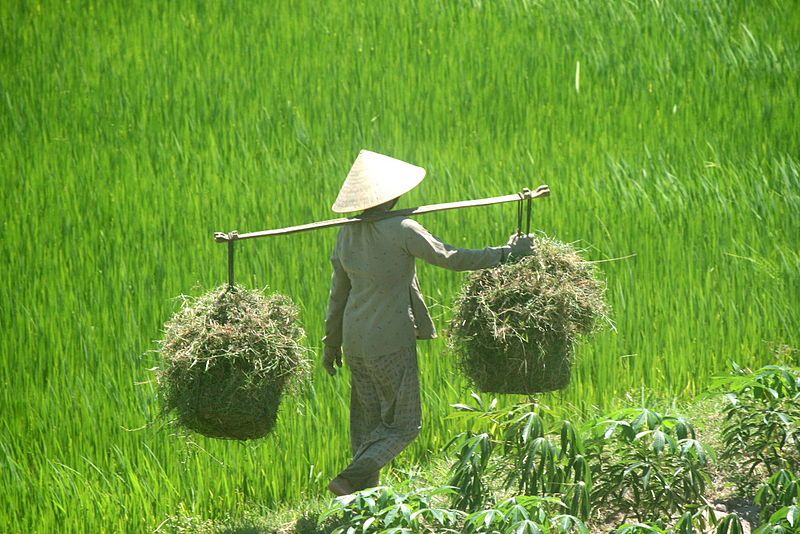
374 179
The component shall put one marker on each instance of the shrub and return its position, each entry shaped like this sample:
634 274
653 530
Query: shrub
781 490
762 417
784 521
468 470
382 510
525 515
535 460
647 465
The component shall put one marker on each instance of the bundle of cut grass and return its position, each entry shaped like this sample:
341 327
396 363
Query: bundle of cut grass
516 325
228 356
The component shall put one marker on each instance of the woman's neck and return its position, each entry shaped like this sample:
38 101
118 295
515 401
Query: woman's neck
380 208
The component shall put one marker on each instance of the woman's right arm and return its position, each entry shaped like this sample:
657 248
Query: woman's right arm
423 245
340 290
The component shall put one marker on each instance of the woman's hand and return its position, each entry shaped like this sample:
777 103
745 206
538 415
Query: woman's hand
520 245
332 359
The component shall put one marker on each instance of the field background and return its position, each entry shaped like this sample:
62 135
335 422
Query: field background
130 131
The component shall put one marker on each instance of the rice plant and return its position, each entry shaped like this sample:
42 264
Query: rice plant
667 132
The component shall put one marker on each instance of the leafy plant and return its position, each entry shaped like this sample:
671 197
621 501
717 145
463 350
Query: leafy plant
784 521
468 470
689 523
762 417
647 465
781 489
694 520
730 524
382 509
534 460
639 528
543 464
525 515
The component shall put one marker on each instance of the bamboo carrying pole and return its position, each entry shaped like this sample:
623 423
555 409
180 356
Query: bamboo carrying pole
526 194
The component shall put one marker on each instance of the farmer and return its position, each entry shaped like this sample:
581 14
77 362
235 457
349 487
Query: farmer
376 312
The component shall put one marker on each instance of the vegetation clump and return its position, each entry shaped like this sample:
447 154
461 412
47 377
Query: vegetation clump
516 325
228 356
762 418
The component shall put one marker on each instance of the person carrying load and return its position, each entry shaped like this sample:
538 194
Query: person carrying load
376 311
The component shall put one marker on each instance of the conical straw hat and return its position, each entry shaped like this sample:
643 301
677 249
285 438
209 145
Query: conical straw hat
375 179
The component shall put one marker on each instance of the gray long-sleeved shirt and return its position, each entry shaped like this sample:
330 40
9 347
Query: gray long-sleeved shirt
376 306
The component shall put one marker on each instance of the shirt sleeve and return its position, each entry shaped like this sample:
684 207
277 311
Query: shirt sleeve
423 245
340 290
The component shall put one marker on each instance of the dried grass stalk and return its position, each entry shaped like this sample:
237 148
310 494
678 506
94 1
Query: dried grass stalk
516 325
228 356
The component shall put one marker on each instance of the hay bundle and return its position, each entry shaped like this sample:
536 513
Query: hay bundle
516 325
228 356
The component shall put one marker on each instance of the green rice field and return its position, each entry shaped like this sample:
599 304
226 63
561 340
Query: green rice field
130 131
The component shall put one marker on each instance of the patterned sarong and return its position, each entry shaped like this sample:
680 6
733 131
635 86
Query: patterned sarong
385 411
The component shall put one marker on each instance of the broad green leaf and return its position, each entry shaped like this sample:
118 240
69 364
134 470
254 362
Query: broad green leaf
659 440
368 523
792 515
568 523
526 526
730 524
